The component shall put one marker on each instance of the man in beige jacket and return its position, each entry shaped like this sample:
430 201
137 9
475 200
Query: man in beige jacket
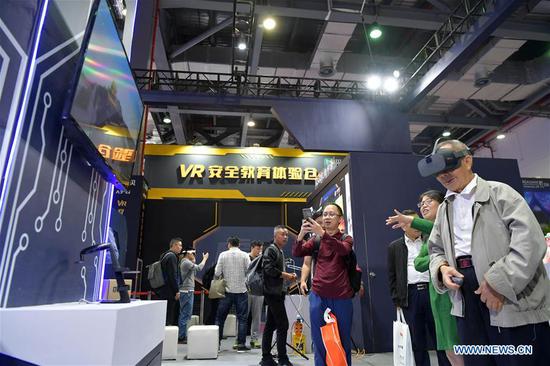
486 249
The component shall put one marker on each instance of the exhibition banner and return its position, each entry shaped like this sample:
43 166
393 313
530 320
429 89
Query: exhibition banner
253 174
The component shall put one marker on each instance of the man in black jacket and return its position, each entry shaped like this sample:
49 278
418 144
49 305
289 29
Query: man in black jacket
409 291
170 271
274 295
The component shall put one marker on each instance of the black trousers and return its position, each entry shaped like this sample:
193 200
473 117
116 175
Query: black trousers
475 329
276 320
172 306
418 315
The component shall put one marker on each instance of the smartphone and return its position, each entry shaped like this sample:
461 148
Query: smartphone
307 212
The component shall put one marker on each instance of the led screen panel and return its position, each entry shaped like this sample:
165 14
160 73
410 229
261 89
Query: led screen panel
106 106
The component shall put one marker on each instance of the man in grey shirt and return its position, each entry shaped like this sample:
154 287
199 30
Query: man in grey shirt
188 270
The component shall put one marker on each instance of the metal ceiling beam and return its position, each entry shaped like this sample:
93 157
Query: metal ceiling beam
532 99
235 105
256 50
204 112
456 121
386 15
349 62
201 37
178 123
479 31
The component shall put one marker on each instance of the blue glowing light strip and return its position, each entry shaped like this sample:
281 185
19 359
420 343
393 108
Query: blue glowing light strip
103 254
12 152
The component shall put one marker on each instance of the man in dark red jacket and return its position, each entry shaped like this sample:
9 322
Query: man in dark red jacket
330 286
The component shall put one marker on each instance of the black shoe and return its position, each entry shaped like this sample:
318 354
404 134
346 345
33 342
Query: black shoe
242 348
182 340
268 362
284 362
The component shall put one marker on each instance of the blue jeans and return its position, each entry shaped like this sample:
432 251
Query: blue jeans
186 310
343 310
241 306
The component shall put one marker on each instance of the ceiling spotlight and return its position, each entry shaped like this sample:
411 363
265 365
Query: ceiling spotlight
242 45
166 119
374 82
375 32
500 136
269 23
391 85
446 133
396 74
251 123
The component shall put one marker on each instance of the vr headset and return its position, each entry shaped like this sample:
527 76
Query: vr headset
441 161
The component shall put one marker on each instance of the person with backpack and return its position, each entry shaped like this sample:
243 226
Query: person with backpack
274 276
170 273
255 303
331 286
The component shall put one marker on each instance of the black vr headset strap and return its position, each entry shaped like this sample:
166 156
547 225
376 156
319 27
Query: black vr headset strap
462 153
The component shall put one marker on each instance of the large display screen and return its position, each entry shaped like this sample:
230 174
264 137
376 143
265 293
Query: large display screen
105 105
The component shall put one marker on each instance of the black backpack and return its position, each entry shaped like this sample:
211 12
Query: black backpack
254 279
351 264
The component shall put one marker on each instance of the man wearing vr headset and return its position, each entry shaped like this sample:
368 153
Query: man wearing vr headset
486 249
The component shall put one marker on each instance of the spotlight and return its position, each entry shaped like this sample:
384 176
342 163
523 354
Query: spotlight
374 82
166 119
251 123
501 136
396 74
446 133
375 32
391 84
241 46
269 23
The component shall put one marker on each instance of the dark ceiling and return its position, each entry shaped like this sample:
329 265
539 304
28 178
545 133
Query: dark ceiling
291 49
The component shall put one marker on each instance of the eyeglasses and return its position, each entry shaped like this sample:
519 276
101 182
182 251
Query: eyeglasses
426 202
330 214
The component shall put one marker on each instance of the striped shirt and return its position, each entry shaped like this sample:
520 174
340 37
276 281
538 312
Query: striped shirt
232 265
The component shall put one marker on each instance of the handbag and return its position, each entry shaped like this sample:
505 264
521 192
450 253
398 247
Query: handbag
335 353
402 345
217 289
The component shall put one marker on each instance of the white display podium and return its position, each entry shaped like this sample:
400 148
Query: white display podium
84 334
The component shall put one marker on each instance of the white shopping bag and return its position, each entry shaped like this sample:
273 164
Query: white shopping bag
402 345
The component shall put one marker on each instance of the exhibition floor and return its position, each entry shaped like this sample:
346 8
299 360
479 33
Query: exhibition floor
228 357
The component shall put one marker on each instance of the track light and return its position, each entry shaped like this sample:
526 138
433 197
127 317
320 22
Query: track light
391 84
269 23
374 82
251 123
166 119
446 133
375 32
501 136
396 74
242 45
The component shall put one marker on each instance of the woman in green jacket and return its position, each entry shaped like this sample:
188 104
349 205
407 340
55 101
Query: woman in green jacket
445 323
